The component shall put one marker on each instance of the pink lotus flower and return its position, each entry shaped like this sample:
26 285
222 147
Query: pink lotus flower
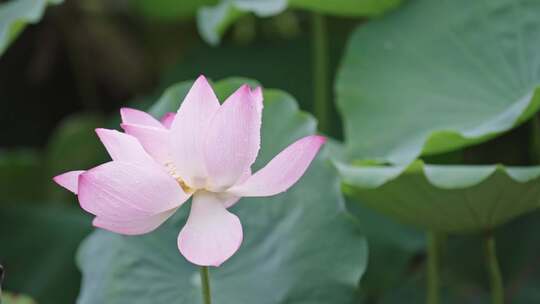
205 151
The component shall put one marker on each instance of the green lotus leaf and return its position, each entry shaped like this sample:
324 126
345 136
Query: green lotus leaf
213 21
303 233
435 76
39 242
16 14
445 198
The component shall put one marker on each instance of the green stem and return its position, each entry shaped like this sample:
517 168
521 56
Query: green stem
205 280
432 268
495 277
320 71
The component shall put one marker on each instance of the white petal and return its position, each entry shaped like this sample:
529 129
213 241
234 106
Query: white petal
69 180
133 227
283 171
121 191
188 132
137 117
154 140
123 147
233 139
212 234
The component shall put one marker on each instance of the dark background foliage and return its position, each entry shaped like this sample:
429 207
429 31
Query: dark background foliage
72 72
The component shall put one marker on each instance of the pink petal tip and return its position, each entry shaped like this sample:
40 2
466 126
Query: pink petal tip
69 180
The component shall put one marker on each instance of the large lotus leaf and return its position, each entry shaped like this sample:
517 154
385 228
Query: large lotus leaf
299 247
15 14
37 246
213 21
446 198
438 75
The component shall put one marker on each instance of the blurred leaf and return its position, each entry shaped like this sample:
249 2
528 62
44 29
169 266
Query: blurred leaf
38 245
16 14
74 143
392 246
463 275
171 98
349 8
271 62
225 87
73 146
435 76
446 198
169 10
463 267
519 254
299 246
413 291
10 298
213 21
21 176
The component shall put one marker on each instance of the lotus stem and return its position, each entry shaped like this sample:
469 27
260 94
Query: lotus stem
320 71
205 281
432 296
492 264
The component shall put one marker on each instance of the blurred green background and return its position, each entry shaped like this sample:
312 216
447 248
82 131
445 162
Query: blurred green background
71 72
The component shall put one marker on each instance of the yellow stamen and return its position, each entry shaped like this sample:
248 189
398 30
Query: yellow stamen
187 189
172 171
